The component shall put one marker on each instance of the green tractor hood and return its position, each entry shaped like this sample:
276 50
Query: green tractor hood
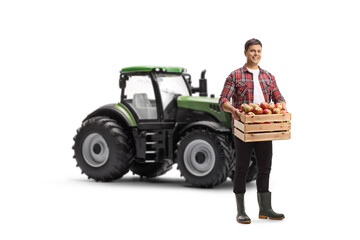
206 104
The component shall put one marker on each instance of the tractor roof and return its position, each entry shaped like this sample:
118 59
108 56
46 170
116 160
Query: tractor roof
153 68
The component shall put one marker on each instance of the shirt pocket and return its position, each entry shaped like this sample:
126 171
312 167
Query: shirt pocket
241 89
268 90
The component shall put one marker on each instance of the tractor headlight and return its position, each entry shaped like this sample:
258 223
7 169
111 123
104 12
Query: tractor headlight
160 70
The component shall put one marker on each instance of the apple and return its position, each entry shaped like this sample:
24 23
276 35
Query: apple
271 106
250 113
258 110
247 108
264 105
276 111
243 106
254 105
279 106
283 111
267 111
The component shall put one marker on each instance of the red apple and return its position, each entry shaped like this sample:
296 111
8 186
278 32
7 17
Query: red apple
271 106
276 111
264 105
250 113
283 111
247 108
267 111
258 110
279 106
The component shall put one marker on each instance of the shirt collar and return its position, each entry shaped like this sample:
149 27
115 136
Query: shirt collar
246 70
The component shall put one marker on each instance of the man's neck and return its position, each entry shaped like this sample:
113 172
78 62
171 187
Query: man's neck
252 66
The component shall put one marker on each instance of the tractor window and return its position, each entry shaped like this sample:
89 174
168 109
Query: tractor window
140 96
171 86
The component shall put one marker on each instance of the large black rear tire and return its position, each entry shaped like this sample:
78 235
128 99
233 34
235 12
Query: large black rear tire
204 157
103 149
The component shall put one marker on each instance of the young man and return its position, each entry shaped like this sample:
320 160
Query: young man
245 85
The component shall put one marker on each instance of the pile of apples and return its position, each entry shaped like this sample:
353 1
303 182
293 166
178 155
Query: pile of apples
263 108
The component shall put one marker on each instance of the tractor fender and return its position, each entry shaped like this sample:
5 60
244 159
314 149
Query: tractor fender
118 112
215 126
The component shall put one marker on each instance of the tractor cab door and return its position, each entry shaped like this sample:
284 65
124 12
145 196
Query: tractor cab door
141 96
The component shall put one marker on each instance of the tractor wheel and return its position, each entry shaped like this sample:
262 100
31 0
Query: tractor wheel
150 170
204 157
252 174
103 149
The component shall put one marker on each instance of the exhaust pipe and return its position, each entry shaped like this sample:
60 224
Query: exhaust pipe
202 89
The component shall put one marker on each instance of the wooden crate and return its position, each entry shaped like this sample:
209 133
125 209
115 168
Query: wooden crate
265 127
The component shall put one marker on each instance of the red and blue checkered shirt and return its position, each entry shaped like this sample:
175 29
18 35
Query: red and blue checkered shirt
239 86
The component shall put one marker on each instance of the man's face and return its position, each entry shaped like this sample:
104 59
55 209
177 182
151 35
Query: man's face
253 54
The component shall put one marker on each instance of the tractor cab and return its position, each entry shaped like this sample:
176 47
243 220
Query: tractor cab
150 93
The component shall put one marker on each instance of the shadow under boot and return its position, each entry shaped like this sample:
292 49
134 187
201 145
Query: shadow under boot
266 211
241 216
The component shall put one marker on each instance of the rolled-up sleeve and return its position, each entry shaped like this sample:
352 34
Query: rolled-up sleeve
276 95
228 90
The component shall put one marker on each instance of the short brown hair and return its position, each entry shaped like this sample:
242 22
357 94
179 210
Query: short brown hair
252 41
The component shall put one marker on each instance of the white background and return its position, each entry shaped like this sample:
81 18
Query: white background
60 60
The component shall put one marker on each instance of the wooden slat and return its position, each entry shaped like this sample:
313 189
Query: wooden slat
265 127
257 137
265 118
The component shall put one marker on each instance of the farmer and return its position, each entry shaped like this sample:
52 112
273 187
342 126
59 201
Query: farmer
246 85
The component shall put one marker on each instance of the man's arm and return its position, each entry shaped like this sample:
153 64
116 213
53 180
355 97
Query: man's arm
225 96
228 90
276 96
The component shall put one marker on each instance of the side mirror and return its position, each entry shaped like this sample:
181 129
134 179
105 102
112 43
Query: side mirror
122 81
187 78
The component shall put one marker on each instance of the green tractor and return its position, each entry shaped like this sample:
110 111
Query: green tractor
158 123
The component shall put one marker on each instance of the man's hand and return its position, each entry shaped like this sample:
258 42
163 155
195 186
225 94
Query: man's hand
284 105
235 114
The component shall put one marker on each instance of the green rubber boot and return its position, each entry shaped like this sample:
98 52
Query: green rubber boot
241 216
266 210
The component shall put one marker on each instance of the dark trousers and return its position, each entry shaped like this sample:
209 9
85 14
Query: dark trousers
263 152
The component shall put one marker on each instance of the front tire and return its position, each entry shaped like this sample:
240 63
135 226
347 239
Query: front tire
103 149
204 158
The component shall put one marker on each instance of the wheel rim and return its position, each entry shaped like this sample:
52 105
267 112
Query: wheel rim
199 158
95 150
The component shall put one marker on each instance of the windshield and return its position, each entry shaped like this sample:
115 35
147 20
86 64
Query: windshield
172 84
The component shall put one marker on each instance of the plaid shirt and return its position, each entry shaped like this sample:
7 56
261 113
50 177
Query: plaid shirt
239 86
